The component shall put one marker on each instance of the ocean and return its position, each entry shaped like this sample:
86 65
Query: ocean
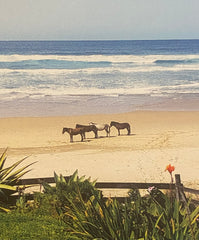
50 78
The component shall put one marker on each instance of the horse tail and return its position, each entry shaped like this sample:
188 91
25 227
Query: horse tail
108 129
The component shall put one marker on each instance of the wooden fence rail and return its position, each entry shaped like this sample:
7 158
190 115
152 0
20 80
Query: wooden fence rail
190 190
178 186
106 185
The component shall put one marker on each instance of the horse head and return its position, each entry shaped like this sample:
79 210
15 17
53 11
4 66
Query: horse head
111 124
64 130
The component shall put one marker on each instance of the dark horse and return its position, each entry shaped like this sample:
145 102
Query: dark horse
74 131
88 128
121 126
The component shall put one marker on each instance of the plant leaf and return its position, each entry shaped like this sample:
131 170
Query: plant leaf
8 187
3 159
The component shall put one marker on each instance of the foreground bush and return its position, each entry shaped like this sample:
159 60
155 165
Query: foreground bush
138 219
76 209
88 215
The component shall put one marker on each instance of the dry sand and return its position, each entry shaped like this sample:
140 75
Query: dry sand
157 139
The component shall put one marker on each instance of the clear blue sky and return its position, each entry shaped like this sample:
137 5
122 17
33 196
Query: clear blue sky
98 19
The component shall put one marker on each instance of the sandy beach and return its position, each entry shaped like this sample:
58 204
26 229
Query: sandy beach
157 139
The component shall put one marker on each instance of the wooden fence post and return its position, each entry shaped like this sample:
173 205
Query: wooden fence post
180 196
177 186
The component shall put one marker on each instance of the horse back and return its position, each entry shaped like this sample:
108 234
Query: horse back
87 128
80 125
120 125
73 131
76 131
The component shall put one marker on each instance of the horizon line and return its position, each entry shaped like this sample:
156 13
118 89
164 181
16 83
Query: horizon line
97 40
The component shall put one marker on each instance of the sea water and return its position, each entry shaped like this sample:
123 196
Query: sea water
78 77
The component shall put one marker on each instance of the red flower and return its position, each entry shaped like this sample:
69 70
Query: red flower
170 168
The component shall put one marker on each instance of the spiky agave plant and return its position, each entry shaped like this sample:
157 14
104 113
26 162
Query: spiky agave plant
9 177
70 189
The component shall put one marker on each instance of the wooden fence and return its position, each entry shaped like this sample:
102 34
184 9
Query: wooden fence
177 186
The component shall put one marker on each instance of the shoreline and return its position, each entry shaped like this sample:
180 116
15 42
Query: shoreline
73 105
157 139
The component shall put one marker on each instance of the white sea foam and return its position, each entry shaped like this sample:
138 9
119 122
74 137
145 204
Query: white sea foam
126 75
60 93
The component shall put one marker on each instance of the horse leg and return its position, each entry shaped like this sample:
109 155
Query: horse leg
95 132
129 131
82 136
106 132
71 138
118 132
109 130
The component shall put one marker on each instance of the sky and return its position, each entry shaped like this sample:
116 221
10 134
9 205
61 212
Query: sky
98 19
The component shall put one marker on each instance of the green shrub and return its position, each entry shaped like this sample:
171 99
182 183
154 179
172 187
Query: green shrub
76 209
9 177
88 215
174 219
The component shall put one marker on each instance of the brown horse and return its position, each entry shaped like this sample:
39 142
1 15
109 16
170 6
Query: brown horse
88 128
121 126
74 131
